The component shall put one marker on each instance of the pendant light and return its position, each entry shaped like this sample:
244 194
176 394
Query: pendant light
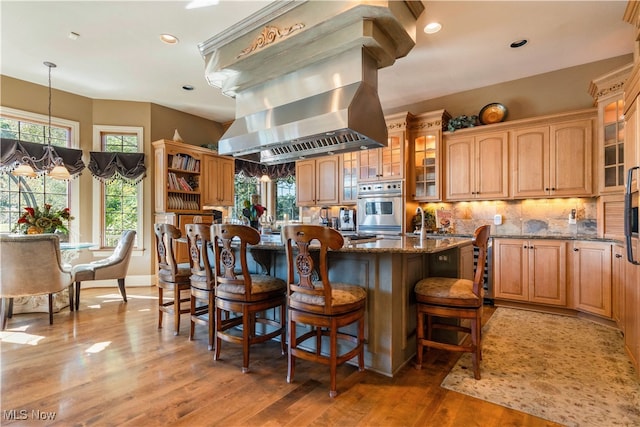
51 164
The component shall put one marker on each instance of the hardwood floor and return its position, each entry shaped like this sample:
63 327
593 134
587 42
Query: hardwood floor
109 365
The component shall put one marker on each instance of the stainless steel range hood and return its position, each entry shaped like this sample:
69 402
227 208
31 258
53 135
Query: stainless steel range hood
304 75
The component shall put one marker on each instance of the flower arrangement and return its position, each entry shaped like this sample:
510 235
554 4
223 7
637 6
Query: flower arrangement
252 212
37 221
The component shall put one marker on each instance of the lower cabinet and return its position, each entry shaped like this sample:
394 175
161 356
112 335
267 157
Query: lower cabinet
530 270
590 277
618 264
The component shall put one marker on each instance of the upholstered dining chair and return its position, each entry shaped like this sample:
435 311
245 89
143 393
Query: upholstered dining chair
31 265
241 296
113 267
453 298
172 277
324 305
202 278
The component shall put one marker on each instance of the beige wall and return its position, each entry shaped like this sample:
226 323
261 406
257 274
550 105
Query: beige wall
548 93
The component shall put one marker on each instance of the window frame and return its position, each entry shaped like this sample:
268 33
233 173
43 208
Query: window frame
98 186
73 186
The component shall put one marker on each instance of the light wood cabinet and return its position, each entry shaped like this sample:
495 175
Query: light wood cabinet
218 187
608 92
476 166
317 181
388 162
630 312
424 176
530 271
618 262
465 264
553 160
590 277
188 178
348 181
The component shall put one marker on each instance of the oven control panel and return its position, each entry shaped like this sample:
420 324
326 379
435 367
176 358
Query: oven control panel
386 187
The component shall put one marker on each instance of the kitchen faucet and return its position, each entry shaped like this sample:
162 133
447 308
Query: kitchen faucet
422 232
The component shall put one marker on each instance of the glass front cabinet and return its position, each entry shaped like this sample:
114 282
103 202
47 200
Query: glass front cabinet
425 160
608 92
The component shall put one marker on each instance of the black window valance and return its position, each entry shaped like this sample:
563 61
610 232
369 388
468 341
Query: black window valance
14 152
283 170
108 167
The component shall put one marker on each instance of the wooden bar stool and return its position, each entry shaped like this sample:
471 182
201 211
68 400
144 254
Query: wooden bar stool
172 277
445 297
202 278
323 305
241 296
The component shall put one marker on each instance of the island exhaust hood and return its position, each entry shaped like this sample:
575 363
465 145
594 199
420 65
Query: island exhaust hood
304 76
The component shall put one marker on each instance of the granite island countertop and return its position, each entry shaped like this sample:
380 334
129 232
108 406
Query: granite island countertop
390 244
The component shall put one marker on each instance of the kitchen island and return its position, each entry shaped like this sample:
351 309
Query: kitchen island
388 269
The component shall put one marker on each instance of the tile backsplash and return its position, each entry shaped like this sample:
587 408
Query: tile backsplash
546 217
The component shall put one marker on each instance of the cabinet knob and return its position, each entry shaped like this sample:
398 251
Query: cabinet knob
546 189
618 256
575 249
526 247
553 188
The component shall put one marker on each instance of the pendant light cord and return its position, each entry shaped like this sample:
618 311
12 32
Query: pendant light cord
50 65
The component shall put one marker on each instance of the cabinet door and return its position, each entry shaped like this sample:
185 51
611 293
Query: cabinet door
631 319
348 181
305 182
530 162
571 164
182 248
392 158
426 166
591 277
465 267
511 269
617 284
547 271
326 180
491 166
460 171
218 175
368 162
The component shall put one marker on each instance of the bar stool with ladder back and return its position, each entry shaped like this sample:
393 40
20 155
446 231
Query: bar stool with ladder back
453 298
172 276
241 296
202 278
323 305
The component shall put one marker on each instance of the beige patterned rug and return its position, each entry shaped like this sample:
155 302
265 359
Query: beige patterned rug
563 369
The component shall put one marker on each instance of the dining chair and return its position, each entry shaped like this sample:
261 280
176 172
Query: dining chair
323 305
241 296
113 267
202 278
172 277
453 298
31 265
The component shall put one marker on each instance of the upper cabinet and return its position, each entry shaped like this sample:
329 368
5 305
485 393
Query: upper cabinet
476 165
553 159
317 181
348 181
188 178
608 92
424 175
387 162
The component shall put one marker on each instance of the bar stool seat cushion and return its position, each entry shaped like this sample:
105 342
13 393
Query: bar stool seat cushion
447 291
260 284
343 295
184 272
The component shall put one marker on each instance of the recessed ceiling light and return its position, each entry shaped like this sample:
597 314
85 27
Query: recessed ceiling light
432 27
194 4
168 38
188 87
73 35
518 43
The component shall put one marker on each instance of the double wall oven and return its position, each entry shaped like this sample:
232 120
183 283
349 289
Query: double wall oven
381 208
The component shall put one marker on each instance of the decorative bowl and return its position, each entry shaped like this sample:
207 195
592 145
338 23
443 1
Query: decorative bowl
492 113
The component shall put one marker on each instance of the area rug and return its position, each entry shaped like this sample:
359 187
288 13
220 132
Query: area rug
563 369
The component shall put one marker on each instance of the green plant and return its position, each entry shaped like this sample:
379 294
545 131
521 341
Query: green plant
462 122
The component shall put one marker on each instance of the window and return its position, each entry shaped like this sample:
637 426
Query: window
120 203
245 186
286 199
16 193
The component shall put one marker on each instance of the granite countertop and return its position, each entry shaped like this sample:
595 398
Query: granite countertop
391 244
586 237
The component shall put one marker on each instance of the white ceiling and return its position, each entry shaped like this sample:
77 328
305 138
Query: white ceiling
119 55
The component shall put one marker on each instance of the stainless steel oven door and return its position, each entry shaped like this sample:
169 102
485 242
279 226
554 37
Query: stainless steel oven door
380 214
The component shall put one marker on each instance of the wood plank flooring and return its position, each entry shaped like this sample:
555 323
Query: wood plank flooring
109 365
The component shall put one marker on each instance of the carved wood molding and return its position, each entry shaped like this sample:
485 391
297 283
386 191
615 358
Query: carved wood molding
269 35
